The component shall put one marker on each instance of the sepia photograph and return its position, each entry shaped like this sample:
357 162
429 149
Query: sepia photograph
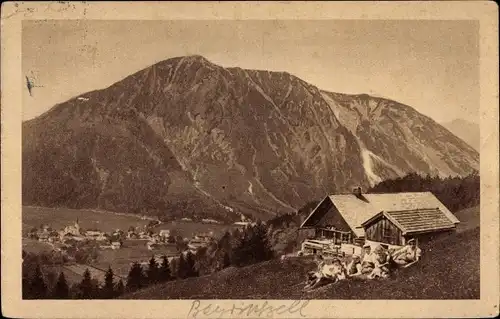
271 158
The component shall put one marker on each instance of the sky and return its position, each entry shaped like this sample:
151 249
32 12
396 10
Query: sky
430 65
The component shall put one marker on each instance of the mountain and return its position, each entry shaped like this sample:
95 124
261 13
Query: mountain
467 131
187 137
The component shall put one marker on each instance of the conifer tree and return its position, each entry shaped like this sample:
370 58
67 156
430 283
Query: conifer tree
226 262
152 272
165 273
182 271
119 288
61 289
190 265
37 286
108 290
136 278
86 287
254 246
51 280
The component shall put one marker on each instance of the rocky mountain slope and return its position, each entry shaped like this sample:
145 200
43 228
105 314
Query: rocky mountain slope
186 136
467 131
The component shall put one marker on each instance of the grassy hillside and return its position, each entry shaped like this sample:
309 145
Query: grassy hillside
449 271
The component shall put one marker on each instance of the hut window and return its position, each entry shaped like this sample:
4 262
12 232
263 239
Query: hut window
388 232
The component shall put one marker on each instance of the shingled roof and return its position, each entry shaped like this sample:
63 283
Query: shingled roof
355 210
415 221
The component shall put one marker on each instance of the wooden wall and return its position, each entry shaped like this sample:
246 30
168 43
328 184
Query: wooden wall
333 218
320 212
384 231
426 240
326 215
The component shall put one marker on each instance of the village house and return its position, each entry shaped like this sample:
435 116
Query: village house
93 233
151 245
118 233
165 233
131 234
241 223
198 241
156 237
53 236
73 229
210 221
102 237
341 218
43 236
204 237
116 245
143 235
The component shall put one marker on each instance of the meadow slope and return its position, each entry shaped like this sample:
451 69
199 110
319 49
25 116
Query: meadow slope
449 271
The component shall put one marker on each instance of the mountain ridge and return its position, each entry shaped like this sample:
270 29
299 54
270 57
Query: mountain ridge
247 142
468 131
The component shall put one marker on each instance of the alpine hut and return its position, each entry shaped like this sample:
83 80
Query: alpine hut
341 218
396 227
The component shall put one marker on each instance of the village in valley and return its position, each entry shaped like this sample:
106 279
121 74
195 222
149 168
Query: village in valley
74 249
63 238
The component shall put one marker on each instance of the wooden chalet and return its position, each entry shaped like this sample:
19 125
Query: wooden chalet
396 227
341 217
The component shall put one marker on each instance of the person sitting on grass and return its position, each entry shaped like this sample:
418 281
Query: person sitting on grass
381 263
314 276
354 267
368 260
331 272
336 271
408 254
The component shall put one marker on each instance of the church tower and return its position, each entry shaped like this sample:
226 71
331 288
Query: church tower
77 227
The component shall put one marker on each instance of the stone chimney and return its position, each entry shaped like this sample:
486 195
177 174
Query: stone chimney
357 191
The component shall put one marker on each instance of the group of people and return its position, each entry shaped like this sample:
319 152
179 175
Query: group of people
372 264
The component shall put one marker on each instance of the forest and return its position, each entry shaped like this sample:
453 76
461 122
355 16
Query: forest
456 193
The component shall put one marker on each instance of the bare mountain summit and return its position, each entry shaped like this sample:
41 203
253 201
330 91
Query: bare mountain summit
186 136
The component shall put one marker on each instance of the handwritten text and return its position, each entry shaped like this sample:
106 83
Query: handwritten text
252 310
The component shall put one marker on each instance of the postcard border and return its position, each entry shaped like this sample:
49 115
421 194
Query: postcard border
12 16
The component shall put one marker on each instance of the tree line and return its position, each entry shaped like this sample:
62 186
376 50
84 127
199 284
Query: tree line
456 193
37 285
238 248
